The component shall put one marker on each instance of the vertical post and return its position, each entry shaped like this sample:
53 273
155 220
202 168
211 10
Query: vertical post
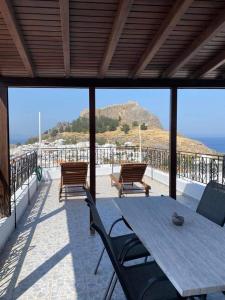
92 130
173 143
5 201
39 128
140 144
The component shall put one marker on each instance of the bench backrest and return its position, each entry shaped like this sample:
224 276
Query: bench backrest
132 172
74 173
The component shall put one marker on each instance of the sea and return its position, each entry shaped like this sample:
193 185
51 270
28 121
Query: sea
215 143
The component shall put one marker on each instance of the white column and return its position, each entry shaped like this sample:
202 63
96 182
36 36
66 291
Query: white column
140 149
39 123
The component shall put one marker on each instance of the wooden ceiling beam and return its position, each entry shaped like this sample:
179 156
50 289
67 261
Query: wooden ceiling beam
161 35
78 82
65 25
215 27
119 22
13 28
210 66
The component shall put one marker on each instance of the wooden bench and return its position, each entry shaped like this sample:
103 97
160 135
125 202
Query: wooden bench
74 174
130 174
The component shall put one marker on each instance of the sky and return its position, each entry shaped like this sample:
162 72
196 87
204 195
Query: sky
200 112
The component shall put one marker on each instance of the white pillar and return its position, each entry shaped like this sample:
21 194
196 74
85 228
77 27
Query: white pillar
39 115
140 149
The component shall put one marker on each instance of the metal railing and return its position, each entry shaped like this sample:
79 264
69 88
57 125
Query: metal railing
201 167
195 166
21 168
52 157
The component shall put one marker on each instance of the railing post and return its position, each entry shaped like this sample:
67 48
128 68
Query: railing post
92 146
173 143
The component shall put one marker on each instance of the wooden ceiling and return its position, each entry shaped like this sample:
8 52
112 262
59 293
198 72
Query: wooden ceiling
111 38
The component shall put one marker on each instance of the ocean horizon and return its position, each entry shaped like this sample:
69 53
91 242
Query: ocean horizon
215 143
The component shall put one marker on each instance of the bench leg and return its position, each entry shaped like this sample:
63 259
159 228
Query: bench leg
147 192
60 194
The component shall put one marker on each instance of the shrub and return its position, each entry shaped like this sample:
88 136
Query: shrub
32 140
144 127
54 132
125 128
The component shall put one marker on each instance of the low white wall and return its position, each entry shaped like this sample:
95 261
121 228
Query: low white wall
185 186
7 225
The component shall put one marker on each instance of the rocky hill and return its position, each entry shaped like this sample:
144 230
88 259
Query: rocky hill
111 129
128 113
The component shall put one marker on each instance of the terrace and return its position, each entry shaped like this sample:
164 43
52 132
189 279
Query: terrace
32 258
93 45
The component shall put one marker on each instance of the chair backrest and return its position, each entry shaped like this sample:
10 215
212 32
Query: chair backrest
212 203
74 173
132 172
99 227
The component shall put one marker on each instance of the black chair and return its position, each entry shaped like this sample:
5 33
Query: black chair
212 203
118 242
139 282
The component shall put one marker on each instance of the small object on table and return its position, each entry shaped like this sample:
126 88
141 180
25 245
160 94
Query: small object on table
177 220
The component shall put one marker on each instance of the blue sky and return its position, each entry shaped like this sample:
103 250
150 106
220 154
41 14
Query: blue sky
200 112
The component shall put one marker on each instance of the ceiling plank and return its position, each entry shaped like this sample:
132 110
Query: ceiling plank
215 27
65 25
13 28
210 66
161 35
119 22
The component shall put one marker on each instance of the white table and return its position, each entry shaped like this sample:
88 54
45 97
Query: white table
192 256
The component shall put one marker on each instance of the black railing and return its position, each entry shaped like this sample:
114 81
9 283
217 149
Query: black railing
21 168
201 167
52 157
195 166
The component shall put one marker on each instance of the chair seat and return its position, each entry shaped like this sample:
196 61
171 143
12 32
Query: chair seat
137 277
117 177
136 252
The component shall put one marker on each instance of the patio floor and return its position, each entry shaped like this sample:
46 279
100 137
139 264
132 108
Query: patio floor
51 255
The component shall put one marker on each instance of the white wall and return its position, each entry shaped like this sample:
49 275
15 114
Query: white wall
185 186
7 225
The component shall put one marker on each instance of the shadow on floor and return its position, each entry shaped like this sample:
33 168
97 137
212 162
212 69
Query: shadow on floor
18 245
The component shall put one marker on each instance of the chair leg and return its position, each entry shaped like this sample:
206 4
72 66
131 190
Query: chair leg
146 259
99 260
111 290
109 286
